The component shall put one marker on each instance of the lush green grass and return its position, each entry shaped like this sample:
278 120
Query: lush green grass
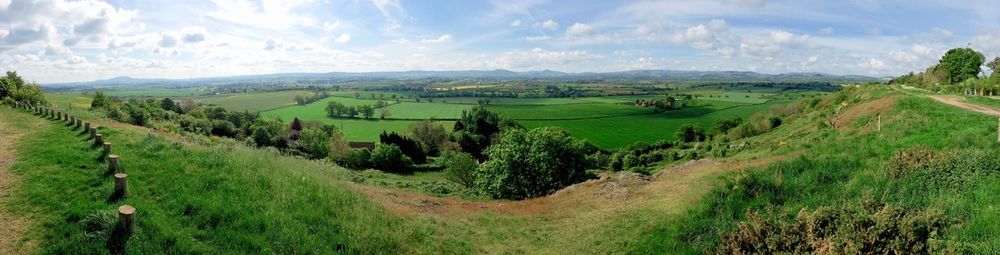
313 111
68 100
410 110
195 200
255 102
735 97
846 175
368 130
565 111
620 131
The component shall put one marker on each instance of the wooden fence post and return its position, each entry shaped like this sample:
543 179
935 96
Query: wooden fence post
93 131
99 139
121 185
126 219
998 130
107 148
113 163
880 123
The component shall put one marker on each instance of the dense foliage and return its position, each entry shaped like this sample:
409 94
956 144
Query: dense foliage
13 88
537 162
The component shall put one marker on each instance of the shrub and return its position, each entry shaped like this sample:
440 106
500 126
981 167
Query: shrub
690 133
356 159
460 167
390 158
524 164
315 142
411 148
882 230
223 128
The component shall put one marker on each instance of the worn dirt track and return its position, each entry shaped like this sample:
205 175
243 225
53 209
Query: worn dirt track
958 102
12 227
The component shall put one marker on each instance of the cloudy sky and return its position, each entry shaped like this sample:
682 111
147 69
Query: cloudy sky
58 41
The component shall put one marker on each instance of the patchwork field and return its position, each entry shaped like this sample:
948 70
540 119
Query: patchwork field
255 102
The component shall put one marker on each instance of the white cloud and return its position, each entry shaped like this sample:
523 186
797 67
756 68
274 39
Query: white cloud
167 41
389 8
194 34
263 14
712 36
515 23
57 50
343 38
331 26
538 57
548 24
445 38
826 31
578 29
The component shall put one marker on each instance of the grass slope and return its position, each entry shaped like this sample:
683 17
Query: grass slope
868 192
193 199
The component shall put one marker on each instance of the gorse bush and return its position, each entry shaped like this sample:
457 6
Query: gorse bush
837 230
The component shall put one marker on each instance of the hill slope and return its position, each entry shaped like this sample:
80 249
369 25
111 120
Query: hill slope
827 180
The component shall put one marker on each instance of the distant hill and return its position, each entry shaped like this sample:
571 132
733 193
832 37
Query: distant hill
492 75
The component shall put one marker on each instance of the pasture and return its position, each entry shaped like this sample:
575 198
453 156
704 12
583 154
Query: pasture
616 132
255 102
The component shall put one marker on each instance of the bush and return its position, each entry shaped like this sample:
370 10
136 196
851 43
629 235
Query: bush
690 133
524 164
356 159
315 142
223 128
460 167
389 158
882 230
411 148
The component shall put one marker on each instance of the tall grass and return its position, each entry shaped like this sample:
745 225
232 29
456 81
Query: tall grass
842 184
195 200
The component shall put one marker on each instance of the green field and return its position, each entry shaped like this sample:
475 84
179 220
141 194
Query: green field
567 111
255 102
621 131
157 92
410 110
68 100
734 97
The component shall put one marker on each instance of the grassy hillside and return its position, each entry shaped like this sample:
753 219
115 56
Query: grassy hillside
192 199
924 184
827 180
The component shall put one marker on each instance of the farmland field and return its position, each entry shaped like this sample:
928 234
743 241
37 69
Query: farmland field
69 100
410 110
620 131
255 102
155 92
567 111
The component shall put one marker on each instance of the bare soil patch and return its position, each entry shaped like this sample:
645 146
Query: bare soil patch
874 107
958 102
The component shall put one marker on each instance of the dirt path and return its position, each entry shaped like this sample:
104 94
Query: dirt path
11 227
958 102
575 218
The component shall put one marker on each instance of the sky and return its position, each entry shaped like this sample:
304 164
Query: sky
52 41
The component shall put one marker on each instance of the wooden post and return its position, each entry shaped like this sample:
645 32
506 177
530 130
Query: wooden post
880 123
93 132
113 164
126 219
121 185
86 126
998 132
79 122
107 148
99 139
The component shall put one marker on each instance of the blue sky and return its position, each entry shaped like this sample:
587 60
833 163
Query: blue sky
59 41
